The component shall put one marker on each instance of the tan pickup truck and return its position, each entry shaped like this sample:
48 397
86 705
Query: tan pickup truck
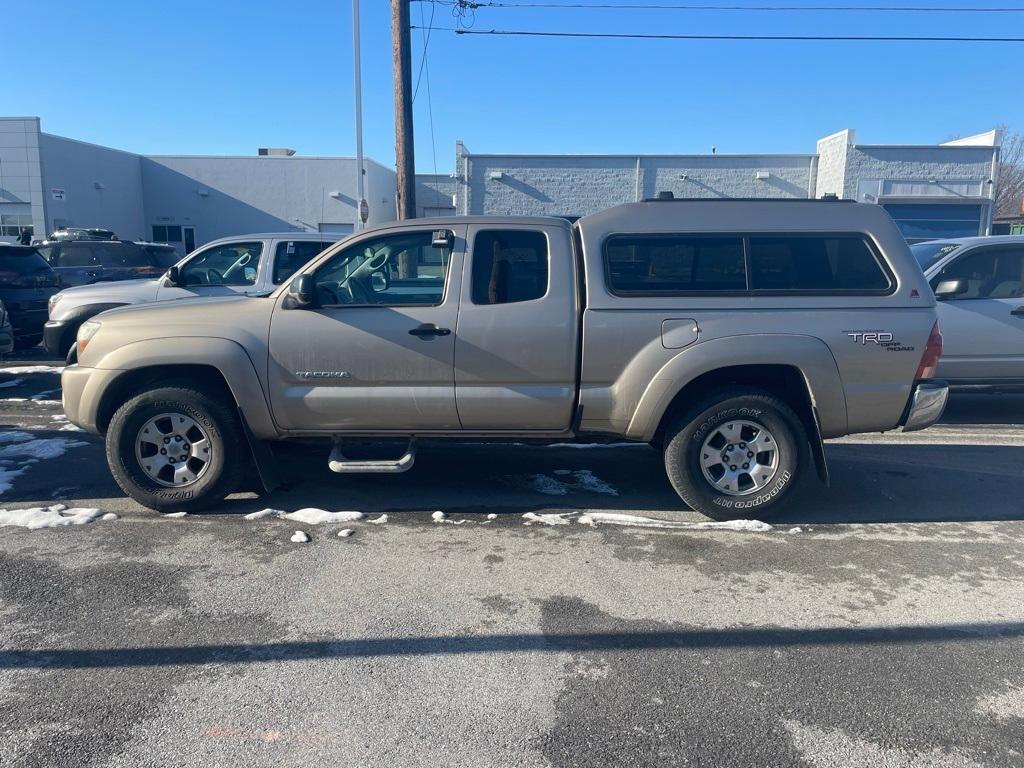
734 335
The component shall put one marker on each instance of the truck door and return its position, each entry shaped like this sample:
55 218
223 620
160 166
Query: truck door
516 341
376 351
982 329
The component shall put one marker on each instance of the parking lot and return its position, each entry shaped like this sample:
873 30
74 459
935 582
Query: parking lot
877 623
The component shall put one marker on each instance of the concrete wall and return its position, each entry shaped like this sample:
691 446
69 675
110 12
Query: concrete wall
576 185
902 171
833 153
102 187
21 185
435 194
223 196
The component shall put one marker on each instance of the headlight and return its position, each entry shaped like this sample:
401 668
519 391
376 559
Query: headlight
53 303
85 332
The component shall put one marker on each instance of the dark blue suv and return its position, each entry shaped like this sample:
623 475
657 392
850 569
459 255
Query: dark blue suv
80 262
26 284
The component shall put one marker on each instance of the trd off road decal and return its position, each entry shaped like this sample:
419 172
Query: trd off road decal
883 339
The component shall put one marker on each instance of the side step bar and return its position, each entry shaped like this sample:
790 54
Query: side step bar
338 462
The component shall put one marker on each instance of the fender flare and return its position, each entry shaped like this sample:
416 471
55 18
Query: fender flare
808 354
227 357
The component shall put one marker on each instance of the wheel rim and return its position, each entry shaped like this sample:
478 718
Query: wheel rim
173 450
739 457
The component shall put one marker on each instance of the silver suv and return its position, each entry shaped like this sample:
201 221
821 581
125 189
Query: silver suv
246 264
734 335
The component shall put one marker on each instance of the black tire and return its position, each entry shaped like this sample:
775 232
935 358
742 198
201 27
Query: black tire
685 441
221 476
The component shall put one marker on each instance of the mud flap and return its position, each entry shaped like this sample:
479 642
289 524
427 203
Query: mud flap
263 456
818 450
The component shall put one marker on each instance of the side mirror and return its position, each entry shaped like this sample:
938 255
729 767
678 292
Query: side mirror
300 292
443 238
948 289
173 277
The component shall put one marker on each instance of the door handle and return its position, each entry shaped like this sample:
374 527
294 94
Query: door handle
1018 312
427 330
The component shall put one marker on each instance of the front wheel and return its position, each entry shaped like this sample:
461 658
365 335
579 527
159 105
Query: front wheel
736 455
176 449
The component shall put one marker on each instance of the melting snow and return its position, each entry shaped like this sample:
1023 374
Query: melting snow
796 529
264 513
492 516
26 369
176 514
109 516
314 516
299 537
438 517
45 396
345 532
581 480
612 518
65 425
54 516
12 383
379 521
19 450
548 519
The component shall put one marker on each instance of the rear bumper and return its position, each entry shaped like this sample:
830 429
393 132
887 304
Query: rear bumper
926 405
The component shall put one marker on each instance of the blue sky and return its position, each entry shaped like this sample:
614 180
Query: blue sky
227 76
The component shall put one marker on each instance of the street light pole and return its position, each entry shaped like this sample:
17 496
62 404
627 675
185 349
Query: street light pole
363 211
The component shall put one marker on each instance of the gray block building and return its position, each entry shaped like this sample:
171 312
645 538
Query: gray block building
48 182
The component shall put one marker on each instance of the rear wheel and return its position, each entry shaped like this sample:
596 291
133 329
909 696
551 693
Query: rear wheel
737 454
176 449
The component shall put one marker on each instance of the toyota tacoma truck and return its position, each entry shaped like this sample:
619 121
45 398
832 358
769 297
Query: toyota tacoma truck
735 336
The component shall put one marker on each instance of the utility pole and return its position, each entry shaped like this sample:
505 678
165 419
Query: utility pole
405 159
363 211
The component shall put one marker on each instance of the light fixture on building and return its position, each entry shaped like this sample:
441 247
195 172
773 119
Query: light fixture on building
97 185
203 192
496 176
335 195
762 176
684 176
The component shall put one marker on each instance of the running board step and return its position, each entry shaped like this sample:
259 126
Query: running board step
339 463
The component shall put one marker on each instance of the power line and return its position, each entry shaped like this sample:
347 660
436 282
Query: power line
428 27
741 38
465 4
425 67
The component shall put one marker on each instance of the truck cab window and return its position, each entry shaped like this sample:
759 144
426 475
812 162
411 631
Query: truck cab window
229 264
509 266
393 271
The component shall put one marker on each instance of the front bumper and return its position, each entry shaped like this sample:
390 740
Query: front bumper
53 335
81 392
926 405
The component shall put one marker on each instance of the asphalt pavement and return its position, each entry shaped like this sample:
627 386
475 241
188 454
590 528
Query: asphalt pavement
879 622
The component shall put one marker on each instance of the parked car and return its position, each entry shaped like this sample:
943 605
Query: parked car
733 335
247 264
979 282
81 233
26 284
81 262
6 331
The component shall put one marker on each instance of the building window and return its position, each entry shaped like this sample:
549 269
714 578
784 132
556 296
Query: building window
935 221
509 266
169 233
11 224
674 264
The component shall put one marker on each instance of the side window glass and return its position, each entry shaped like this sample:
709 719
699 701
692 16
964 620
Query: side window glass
993 273
815 264
509 266
75 255
673 264
47 252
290 255
397 270
229 264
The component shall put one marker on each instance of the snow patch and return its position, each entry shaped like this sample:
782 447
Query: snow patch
492 516
563 518
19 450
265 513
345 532
614 518
53 516
438 517
795 529
11 383
109 516
44 397
27 369
581 480
299 537
379 521
176 514
315 516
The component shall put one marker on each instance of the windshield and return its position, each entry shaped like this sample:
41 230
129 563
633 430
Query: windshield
928 254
